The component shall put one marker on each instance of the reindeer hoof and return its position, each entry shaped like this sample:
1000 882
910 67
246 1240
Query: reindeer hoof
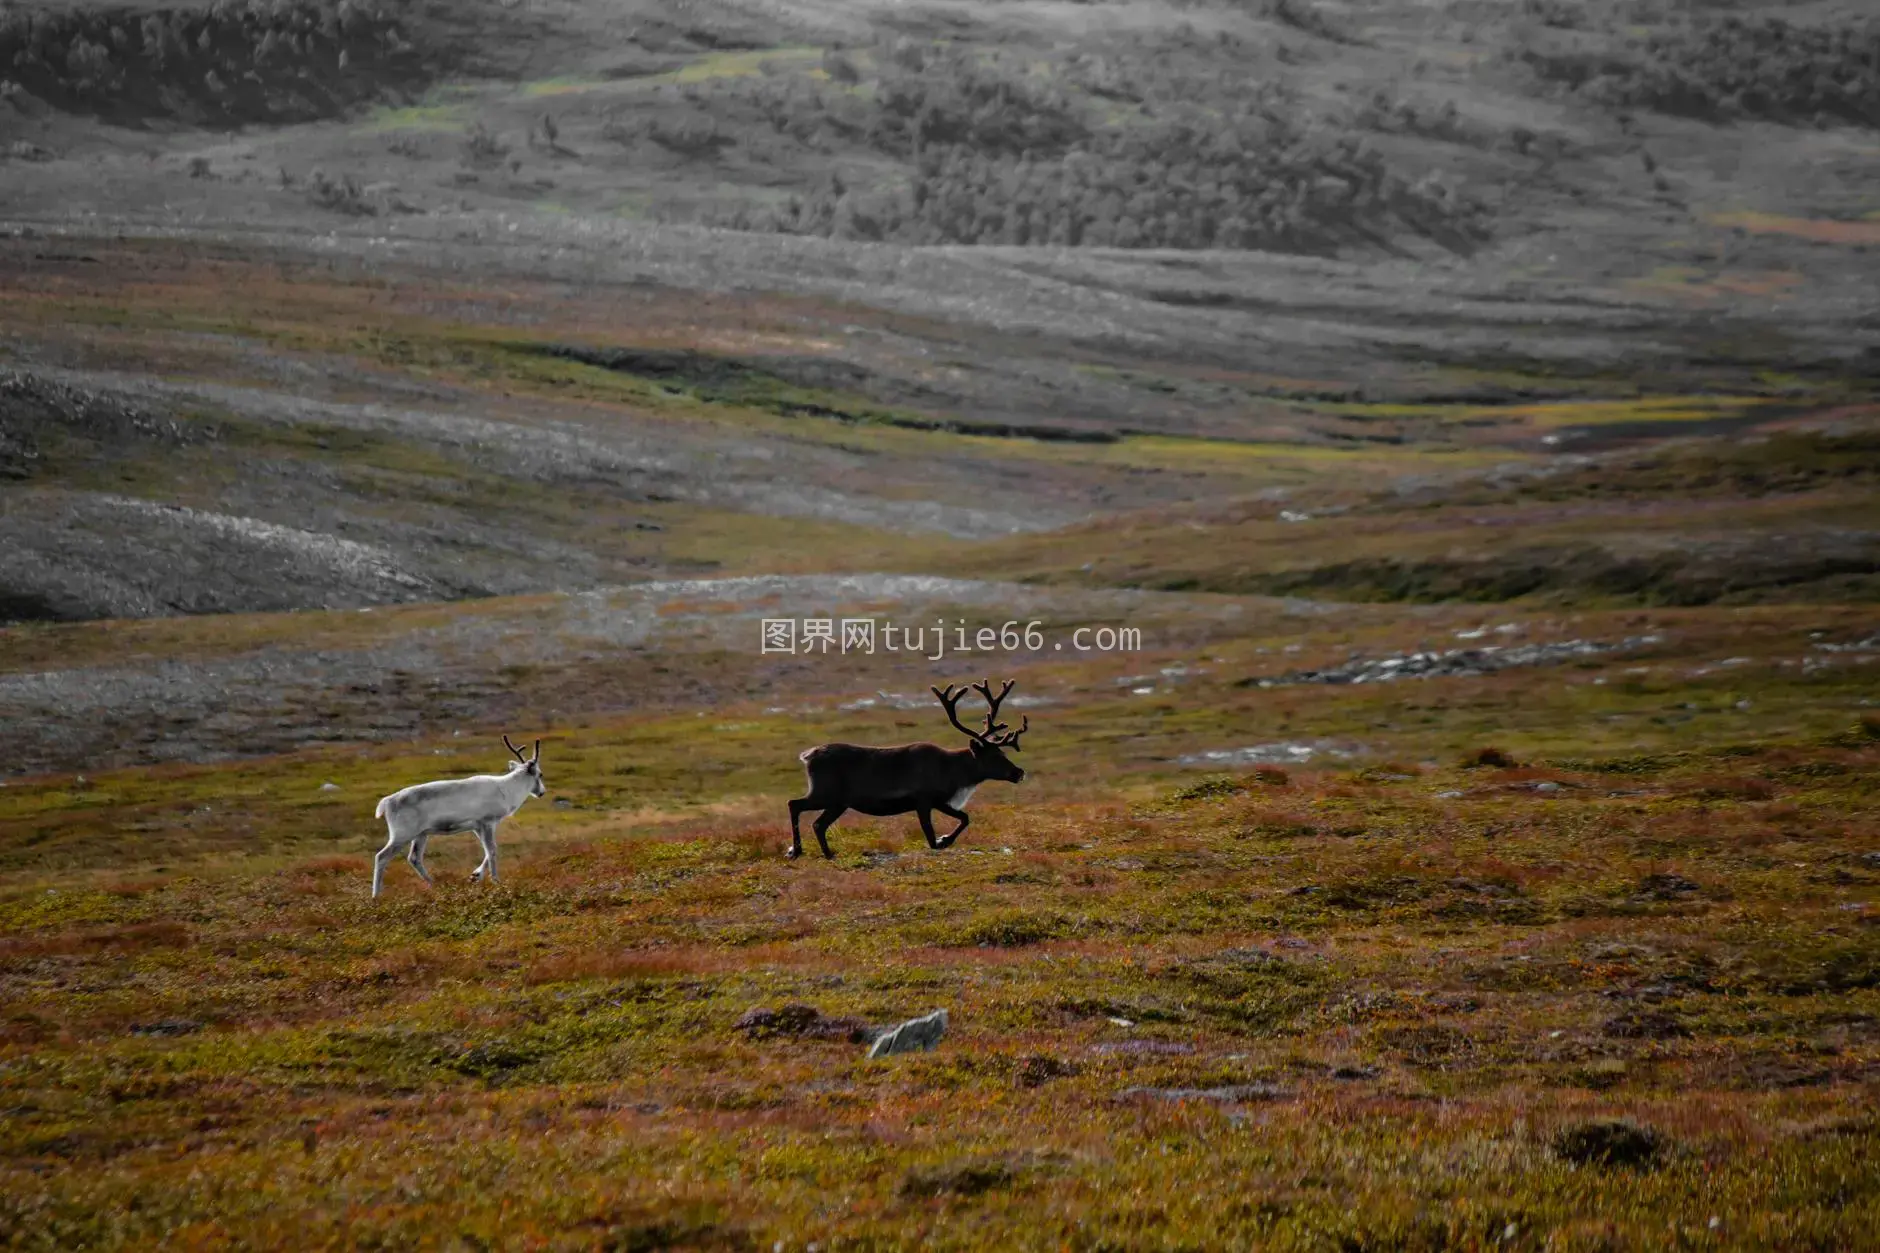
791 854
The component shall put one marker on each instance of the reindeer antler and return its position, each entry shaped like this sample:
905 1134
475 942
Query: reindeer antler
995 734
1010 738
518 752
951 700
984 688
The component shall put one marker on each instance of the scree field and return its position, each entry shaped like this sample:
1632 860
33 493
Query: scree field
1463 419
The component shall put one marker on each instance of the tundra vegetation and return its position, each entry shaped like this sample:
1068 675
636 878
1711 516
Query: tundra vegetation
1472 406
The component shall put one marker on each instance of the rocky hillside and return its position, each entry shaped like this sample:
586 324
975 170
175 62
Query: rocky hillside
227 65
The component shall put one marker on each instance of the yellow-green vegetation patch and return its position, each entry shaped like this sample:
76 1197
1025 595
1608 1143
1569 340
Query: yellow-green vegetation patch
1300 461
451 116
1727 284
31 646
1818 230
1388 409
741 63
43 908
707 68
1603 412
561 86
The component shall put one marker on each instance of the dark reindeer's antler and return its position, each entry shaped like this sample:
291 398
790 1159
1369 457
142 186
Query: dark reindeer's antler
951 700
996 734
1010 738
993 725
518 752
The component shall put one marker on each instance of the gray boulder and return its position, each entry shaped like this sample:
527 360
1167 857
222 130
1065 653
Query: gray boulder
916 1035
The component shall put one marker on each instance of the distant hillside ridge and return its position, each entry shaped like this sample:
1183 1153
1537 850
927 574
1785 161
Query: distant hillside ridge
225 65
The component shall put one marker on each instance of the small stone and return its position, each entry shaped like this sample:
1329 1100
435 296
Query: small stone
1122 1022
916 1035
329 786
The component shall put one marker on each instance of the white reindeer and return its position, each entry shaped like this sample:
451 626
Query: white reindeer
415 814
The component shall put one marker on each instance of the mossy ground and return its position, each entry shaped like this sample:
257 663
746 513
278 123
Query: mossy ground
1384 987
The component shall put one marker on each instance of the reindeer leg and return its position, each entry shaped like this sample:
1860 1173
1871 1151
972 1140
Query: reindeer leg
946 841
486 836
926 827
796 835
823 823
415 855
380 861
488 863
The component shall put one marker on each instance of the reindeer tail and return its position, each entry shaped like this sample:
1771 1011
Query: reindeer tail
380 811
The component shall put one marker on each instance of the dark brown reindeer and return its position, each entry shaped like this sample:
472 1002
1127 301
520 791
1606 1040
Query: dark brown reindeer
916 778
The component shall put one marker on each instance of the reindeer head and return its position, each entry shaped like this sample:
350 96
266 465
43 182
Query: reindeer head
987 744
533 765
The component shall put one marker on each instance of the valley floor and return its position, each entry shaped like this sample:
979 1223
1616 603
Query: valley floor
1572 953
